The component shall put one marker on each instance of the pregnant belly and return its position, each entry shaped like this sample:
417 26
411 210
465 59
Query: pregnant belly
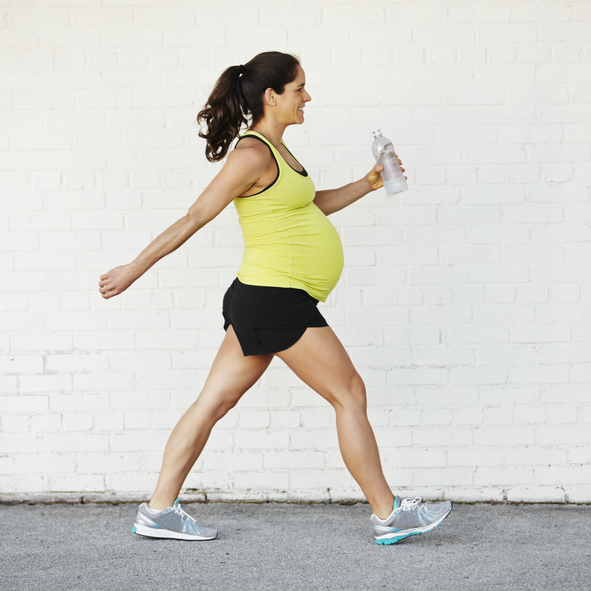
306 254
317 257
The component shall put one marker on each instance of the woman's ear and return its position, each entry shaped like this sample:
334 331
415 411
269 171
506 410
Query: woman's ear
270 97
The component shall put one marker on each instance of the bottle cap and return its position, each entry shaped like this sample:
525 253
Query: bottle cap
376 133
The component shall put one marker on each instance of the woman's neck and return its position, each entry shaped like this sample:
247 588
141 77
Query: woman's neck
272 131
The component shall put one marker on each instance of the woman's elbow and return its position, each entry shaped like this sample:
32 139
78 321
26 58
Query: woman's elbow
197 217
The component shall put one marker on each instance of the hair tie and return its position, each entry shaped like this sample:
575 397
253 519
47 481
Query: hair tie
242 69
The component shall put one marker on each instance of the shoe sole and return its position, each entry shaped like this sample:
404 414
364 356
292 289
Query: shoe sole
149 532
396 537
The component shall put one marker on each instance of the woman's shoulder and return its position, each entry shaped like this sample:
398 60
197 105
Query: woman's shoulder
252 152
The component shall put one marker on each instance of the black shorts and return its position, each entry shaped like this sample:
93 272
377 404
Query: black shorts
269 319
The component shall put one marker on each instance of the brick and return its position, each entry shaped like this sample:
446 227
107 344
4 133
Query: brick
485 476
137 420
358 15
66 241
501 356
446 35
439 315
498 416
261 439
137 441
275 480
323 479
504 436
45 423
14 181
477 334
538 375
14 79
419 335
186 38
580 373
436 416
562 414
77 422
49 261
292 16
540 334
111 381
21 364
6 465
10 302
254 419
282 419
402 376
442 436
313 439
15 423
76 482
16 39
45 383
561 476
484 375
60 403
308 460
100 17
448 476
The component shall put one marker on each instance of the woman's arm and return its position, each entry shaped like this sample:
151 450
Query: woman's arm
336 199
240 172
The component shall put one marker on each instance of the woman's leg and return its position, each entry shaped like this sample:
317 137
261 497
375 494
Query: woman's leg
231 375
320 360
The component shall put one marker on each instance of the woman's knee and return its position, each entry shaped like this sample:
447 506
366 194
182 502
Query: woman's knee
353 395
216 407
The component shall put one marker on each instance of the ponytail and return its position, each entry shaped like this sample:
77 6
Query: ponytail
223 115
238 96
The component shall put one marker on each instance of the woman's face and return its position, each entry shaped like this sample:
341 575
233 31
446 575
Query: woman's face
289 106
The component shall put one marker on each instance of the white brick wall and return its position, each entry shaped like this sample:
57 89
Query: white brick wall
465 302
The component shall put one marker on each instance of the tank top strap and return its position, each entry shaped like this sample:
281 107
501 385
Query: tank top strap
281 162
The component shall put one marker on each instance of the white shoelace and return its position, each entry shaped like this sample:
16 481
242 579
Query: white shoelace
410 504
177 509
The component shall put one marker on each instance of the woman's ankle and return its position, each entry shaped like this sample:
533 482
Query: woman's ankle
159 504
383 510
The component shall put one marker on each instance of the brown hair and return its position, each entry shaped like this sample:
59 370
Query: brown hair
238 94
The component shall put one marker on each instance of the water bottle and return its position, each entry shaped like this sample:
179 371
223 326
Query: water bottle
392 175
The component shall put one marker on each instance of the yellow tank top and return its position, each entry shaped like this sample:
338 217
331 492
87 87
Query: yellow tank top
288 241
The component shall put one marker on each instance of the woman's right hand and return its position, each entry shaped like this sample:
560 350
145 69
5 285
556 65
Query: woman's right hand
116 281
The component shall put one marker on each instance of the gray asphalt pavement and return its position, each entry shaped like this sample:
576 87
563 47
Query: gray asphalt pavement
295 547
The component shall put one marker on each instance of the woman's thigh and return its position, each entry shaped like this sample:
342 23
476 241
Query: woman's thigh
320 360
231 373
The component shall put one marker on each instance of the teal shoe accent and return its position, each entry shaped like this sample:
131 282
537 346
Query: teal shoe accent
396 539
134 529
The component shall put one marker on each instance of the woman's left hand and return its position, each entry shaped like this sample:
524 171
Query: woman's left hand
374 178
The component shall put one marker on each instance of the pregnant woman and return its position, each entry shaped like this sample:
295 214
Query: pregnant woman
292 259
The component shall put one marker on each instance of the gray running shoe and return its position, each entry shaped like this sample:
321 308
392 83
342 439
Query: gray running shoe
409 517
172 522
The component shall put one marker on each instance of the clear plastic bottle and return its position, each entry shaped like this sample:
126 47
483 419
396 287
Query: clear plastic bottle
392 175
